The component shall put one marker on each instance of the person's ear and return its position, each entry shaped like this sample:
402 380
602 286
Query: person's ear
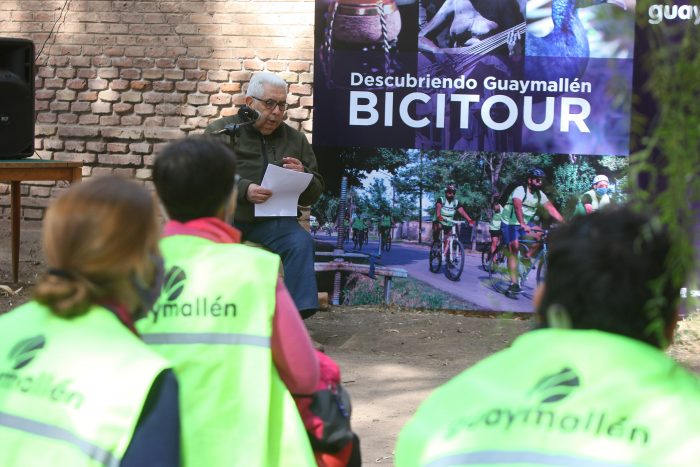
249 100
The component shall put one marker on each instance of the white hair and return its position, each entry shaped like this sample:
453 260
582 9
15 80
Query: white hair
256 86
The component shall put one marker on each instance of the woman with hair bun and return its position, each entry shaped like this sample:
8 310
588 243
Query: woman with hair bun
77 385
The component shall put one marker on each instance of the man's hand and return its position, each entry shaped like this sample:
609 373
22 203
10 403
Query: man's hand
440 218
292 163
257 194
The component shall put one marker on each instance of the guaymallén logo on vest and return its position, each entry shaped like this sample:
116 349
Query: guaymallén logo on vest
44 384
24 351
556 387
173 304
545 414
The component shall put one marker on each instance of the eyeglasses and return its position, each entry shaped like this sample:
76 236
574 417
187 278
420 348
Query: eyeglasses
270 104
537 180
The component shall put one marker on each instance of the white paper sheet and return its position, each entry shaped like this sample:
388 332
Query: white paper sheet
286 186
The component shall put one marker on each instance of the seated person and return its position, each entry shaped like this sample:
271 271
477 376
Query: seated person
77 385
226 321
592 385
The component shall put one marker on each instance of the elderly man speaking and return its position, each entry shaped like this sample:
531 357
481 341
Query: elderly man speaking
271 141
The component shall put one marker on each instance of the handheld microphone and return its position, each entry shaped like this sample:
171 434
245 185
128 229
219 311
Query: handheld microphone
247 116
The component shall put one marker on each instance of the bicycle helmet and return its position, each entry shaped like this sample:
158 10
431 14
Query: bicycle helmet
599 178
451 187
535 172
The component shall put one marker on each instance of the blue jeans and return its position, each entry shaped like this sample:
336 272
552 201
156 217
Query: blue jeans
284 236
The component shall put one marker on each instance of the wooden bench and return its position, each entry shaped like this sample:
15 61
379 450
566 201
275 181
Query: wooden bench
340 266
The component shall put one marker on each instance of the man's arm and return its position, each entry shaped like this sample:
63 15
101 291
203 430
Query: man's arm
465 215
518 207
438 207
553 211
316 187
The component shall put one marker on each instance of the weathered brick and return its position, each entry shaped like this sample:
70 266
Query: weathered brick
152 97
166 109
131 120
185 86
59 106
98 84
174 75
276 65
77 84
41 105
120 85
84 157
122 108
46 72
140 85
114 51
66 95
143 174
253 64
175 121
217 76
87 73
51 144
231 88
168 63
197 99
54 83
109 120
240 76
119 158
144 109
126 173
188 110
87 96
195 75
95 146
130 73
101 61
163 133
115 148
306 101
141 148
75 146
144 63
132 97
40 191
46 117
207 111
157 120
66 73
101 108
67 119
45 130
122 133
108 73
186 63
109 96
153 73
89 119
44 94
303 89
220 99
123 62
175 98
208 88
163 86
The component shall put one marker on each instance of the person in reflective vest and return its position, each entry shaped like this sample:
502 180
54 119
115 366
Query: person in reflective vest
77 385
592 385
598 196
226 321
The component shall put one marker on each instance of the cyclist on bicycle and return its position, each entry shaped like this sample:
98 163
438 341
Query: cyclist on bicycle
495 227
597 197
385 224
358 226
517 219
445 212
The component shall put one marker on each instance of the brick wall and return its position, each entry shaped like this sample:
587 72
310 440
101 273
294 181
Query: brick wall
118 79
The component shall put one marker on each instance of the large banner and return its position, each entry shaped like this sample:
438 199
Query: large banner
467 104
479 75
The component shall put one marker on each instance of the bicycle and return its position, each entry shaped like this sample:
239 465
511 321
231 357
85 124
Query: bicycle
451 253
499 263
358 238
385 238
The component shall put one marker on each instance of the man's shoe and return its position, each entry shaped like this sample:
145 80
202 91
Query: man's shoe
514 289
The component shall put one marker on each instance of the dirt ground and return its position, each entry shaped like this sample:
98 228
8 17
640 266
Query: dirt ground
390 358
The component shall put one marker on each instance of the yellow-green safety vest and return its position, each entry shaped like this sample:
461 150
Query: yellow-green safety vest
213 322
71 390
561 397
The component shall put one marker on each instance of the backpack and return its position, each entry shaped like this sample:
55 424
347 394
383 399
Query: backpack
326 412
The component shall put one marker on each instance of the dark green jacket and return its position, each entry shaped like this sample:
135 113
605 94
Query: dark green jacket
253 152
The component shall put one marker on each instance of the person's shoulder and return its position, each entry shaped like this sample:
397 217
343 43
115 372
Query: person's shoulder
219 123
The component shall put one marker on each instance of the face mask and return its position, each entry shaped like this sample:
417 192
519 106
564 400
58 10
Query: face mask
601 191
148 294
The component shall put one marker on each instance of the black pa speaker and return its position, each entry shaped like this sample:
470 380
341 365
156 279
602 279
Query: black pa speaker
16 98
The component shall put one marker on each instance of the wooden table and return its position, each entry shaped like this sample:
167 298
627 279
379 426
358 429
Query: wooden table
17 171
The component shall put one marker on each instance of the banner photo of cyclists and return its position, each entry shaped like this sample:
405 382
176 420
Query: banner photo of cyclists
466 130
481 75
